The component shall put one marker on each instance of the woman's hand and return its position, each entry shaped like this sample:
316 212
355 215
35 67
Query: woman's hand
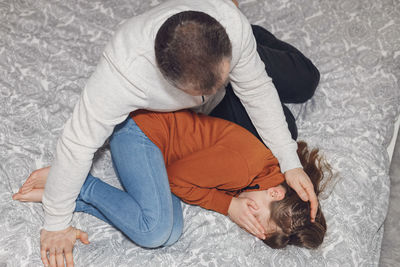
301 183
60 244
239 212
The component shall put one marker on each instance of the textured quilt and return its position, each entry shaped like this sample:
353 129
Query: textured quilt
49 48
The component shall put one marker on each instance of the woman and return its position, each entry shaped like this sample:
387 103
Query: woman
210 162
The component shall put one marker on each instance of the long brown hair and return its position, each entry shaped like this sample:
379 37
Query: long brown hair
292 215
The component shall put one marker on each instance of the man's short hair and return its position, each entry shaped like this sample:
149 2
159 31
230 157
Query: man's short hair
189 49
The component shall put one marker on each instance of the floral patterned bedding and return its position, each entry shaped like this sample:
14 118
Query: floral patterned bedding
49 48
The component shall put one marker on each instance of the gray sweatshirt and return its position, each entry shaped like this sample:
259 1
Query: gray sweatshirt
127 79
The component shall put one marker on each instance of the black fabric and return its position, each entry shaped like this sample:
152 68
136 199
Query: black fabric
294 76
231 109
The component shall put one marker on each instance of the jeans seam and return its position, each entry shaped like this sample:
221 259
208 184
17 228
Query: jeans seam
133 128
157 188
158 219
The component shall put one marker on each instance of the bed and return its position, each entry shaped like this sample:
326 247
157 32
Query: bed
49 48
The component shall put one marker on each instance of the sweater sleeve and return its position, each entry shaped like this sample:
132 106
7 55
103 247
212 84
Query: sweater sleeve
195 178
106 100
208 198
204 177
258 95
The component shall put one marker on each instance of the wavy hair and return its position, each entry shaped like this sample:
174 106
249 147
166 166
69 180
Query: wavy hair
292 215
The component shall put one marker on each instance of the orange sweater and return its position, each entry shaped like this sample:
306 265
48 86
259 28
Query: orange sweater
209 160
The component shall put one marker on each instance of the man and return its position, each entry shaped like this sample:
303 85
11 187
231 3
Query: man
164 60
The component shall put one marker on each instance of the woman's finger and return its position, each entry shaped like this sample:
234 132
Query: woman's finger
252 203
256 225
251 223
249 228
253 220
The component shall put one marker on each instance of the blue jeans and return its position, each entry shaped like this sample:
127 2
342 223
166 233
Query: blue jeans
147 212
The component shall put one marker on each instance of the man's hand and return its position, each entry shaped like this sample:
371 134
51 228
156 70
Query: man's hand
240 213
60 244
301 183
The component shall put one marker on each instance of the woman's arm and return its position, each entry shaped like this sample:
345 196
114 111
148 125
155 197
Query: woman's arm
208 198
201 177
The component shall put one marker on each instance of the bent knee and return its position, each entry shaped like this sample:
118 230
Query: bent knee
176 233
162 234
152 239
309 82
305 85
151 234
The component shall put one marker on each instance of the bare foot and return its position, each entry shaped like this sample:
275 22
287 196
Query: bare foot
35 195
37 179
236 3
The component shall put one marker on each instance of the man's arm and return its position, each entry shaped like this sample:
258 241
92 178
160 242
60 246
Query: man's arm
106 101
258 95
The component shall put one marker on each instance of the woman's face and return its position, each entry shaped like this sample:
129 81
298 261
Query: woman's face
263 199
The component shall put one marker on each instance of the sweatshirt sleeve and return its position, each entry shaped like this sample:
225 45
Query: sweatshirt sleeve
106 100
258 95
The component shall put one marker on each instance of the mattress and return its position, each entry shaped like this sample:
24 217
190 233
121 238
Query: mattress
49 48
393 141
390 250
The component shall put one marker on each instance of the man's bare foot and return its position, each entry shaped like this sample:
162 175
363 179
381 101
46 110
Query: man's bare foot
37 180
35 195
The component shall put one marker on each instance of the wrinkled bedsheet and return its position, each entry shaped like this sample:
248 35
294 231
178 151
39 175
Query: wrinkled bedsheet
49 48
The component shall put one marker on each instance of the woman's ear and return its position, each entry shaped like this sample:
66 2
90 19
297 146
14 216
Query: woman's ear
277 193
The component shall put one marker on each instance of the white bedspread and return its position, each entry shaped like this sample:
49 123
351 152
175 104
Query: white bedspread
48 49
